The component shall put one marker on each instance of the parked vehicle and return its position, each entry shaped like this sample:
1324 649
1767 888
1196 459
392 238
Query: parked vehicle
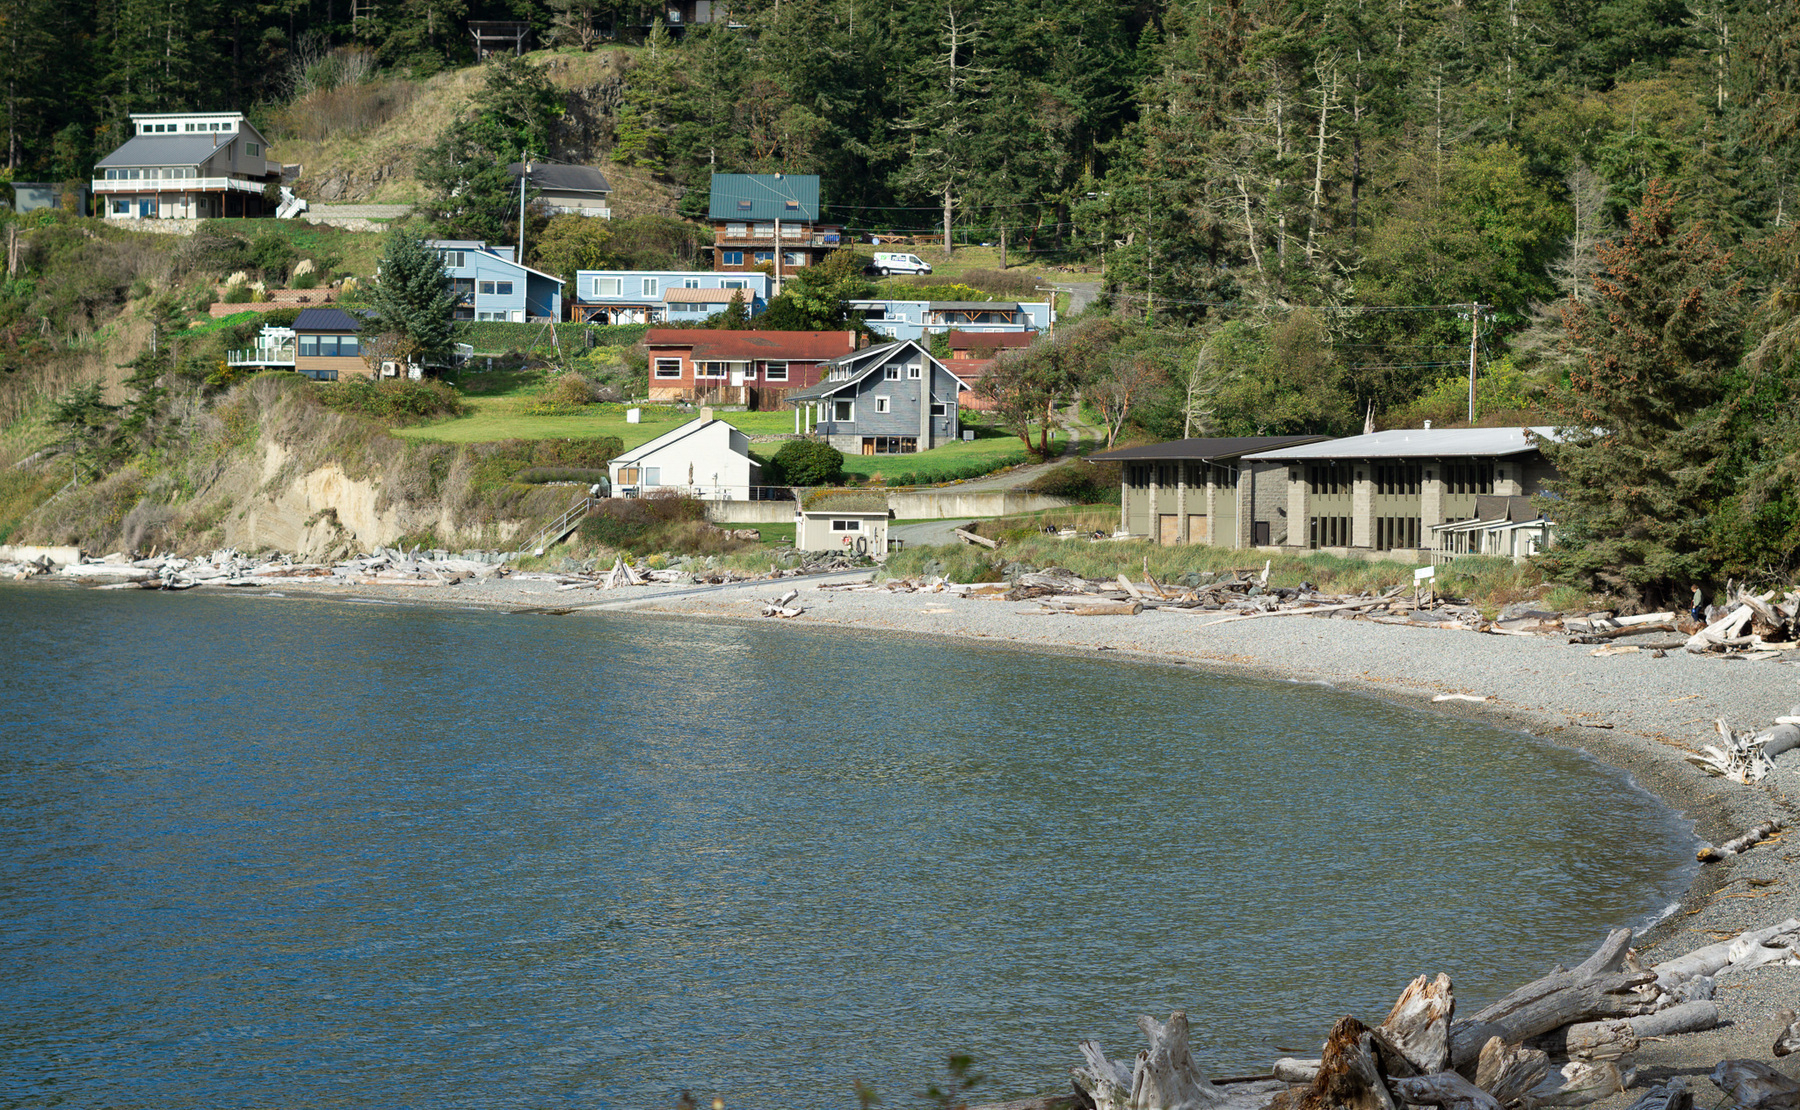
886 264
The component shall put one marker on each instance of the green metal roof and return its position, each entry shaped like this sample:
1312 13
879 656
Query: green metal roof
764 196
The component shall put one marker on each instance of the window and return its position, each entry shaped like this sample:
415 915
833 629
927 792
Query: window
690 283
875 312
503 288
912 372
487 288
349 346
452 259
328 346
709 370
649 289
668 368
881 404
737 230
731 258
309 346
843 410
743 206
652 475
464 287
791 206
251 150
764 256
734 283
121 208
793 258
775 371
892 374
628 475
846 526
607 287
938 409
765 231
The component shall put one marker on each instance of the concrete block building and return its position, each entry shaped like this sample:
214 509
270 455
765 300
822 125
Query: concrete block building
1204 491
1393 491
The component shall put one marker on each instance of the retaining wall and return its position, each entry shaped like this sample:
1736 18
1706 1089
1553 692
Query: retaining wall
61 556
923 504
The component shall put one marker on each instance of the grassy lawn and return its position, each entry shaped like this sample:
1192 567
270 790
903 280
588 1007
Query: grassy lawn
500 401
990 450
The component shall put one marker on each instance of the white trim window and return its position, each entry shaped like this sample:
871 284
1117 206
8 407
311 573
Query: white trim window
843 410
709 369
650 287
912 372
775 371
668 368
690 283
453 260
737 230
608 287
881 405
891 373
846 526
734 283
938 408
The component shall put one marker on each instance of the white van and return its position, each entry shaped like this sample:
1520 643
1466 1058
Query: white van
886 264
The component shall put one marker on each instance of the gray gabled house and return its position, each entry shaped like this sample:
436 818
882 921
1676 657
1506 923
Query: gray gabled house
891 399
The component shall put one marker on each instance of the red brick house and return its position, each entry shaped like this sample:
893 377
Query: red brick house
754 368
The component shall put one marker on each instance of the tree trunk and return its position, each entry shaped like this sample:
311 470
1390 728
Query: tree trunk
1446 1089
1511 1073
947 251
1348 1075
1755 1085
1418 1027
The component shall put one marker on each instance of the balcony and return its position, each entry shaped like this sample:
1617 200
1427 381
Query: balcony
795 237
178 185
273 355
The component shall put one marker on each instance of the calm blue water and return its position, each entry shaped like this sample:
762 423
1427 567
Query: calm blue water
262 852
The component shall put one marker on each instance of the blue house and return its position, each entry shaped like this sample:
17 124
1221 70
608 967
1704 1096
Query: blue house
916 319
491 284
662 296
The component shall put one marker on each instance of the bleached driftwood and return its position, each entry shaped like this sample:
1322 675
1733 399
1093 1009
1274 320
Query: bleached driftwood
1715 634
1742 844
1446 1089
1289 1070
1613 1040
967 536
1599 987
1164 1076
1755 1085
1714 958
1580 1083
1418 1027
1511 1073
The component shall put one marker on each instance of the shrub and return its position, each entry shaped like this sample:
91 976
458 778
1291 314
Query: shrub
568 394
803 462
540 475
395 401
639 526
1085 483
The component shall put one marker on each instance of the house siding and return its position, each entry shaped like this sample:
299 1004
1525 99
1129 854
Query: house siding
906 415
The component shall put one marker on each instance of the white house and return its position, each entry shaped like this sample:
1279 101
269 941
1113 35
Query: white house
703 458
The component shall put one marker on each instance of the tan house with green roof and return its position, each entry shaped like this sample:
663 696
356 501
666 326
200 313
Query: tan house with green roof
848 520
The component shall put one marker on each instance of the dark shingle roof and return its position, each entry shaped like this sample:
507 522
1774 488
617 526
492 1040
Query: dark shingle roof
564 179
1202 450
764 196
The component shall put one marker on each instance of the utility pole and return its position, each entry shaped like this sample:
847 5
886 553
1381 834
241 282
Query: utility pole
524 173
1474 333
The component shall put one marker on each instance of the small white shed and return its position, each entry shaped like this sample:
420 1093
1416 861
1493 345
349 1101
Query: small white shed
704 458
852 521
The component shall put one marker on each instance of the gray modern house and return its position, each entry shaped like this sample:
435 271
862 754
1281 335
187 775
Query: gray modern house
891 399
1203 491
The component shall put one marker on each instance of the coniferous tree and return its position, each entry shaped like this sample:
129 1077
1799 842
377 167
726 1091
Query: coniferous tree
411 302
1645 446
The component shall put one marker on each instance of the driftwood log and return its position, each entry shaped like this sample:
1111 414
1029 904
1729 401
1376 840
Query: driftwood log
1446 1089
1755 1085
1599 987
1511 1073
1787 1040
1580 1083
1742 844
1349 1075
1418 1027
1164 1076
1674 1095
1715 958
1610 1040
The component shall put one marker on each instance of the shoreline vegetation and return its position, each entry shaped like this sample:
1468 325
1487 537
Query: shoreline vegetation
1630 712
